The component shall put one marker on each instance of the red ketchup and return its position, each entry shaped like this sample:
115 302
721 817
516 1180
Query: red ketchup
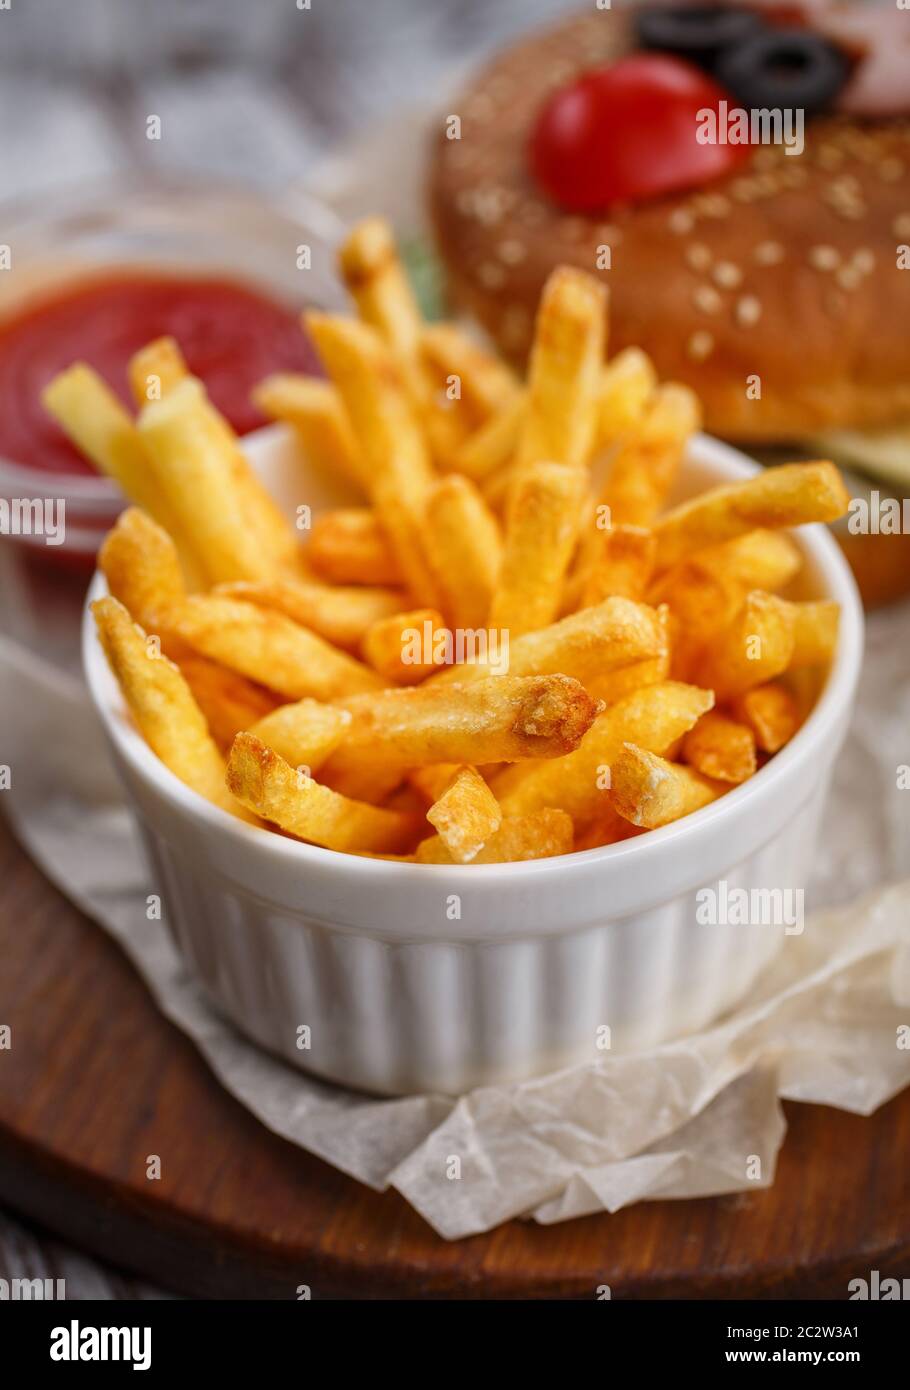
230 334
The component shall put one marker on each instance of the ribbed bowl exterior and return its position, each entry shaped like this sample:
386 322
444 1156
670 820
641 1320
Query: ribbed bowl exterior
398 1017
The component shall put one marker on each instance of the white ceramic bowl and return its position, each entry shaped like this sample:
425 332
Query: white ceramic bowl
413 977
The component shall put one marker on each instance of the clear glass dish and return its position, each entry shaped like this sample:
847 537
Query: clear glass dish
174 224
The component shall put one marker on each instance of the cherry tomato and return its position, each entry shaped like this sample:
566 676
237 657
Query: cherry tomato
627 132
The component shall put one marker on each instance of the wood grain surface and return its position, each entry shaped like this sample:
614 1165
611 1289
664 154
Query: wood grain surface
96 1081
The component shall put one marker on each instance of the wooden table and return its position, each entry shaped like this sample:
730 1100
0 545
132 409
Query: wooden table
97 1081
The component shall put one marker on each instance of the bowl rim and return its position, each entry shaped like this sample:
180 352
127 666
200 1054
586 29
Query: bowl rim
834 699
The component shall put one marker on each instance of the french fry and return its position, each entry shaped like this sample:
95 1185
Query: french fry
814 632
540 534
541 835
369 382
348 546
208 484
648 460
268 648
626 384
313 408
230 702
503 719
343 616
612 685
466 815
370 267
263 782
491 447
755 647
650 791
564 373
771 712
791 494
396 646
487 384
305 734
90 415
155 370
721 748
587 645
464 548
607 828
623 567
653 717
162 704
431 781
402 522
140 563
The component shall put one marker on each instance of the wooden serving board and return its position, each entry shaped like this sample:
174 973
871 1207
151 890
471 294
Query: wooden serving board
96 1080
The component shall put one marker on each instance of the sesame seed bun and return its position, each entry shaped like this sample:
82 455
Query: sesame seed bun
787 269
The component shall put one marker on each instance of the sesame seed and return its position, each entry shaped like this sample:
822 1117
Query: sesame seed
848 278
727 275
698 255
901 224
864 260
748 310
700 345
824 258
707 299
769 253
513 251
681 221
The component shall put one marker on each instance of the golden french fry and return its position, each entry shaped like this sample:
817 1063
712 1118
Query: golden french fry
348 546
90 415
431 781
268 647
607 828
487 384
370 267
587 645
162 704
791 494
648 460
491 447
404 528
542 835
343 616
721 748
466 815
653 717
760 559
140 563
623 567
564 372
235 526
626 385
156 369
814 632
503 719
363 368
612 685
230 702
650 792
305 734
266 784
540 534
464 548
755 647
315 411
397 647
771 712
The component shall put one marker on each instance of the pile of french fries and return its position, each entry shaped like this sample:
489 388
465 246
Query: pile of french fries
637 662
